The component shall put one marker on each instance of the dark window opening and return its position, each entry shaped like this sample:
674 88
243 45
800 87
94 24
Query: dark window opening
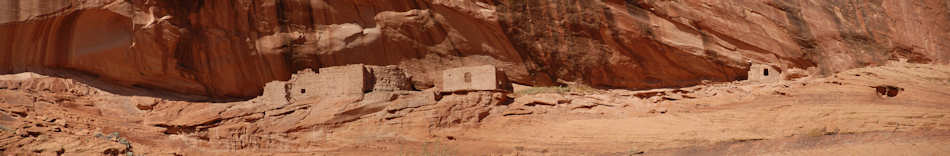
303 91
765 72
468 77
887 90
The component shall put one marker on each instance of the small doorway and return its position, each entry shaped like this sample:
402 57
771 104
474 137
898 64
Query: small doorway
468 77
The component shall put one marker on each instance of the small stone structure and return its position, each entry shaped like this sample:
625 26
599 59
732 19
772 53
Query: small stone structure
355 79
275 92
475 78
763 72
339 80
388 78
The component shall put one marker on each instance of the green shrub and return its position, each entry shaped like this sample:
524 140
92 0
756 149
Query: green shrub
574 88
822 132
582 88
539 90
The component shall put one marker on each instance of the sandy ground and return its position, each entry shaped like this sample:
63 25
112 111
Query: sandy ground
840 114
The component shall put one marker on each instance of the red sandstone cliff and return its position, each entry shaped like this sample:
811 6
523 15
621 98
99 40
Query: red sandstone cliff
233 47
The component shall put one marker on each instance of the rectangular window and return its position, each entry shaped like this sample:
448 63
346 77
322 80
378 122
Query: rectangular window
468 77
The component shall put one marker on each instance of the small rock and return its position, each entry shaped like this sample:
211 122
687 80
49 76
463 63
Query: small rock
517 111
143 103
542 99
660 110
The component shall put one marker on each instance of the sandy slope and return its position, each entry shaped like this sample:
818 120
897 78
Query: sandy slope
841 114
837 115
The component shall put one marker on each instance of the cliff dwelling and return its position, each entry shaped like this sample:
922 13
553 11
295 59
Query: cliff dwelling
346 80
763 72
475 78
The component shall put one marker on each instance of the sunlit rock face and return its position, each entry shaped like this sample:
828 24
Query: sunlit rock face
231 48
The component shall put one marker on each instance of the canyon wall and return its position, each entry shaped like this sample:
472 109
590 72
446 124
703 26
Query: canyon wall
230 48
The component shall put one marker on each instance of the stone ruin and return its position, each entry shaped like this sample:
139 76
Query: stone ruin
359 79
388 78
348 80
339 80
764 72
475 78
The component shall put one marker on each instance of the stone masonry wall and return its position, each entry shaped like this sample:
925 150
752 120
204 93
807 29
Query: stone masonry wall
388 78
473 79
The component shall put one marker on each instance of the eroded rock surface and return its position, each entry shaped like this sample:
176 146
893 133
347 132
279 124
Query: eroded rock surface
845 113
231 48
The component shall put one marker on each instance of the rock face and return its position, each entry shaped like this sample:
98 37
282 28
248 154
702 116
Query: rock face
896 109
231 48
